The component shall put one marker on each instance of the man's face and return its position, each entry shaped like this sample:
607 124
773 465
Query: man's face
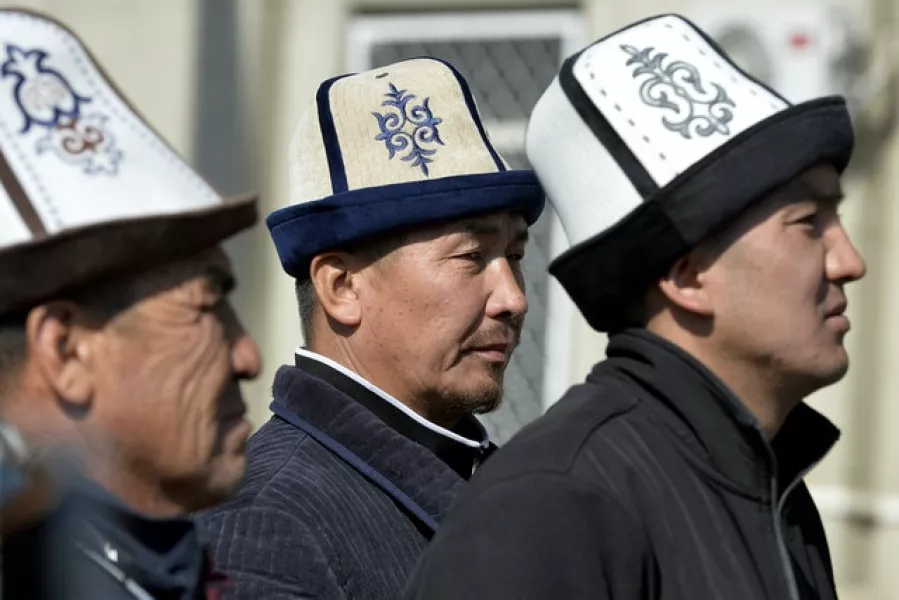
443 313
167 388
777 289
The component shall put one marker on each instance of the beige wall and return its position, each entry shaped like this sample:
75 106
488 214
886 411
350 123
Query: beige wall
289 46
858 485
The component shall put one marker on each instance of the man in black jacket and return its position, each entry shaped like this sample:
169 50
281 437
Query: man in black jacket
120 355
702 208
405 239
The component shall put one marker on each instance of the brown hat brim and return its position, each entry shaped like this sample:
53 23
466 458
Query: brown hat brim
40 269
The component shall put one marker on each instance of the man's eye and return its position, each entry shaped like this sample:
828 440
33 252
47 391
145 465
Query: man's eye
473 256
811 219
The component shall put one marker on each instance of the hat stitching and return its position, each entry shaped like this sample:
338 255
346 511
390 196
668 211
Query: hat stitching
704 116
78 54
395 128
29 170
717 63
75 137
167 154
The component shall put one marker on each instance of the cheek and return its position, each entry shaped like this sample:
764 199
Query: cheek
429 320
778 288
182 373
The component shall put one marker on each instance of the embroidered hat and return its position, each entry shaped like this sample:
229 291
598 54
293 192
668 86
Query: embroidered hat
87 188
393 148
649 140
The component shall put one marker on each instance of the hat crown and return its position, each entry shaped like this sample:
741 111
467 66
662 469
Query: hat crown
73 153
411 121
667 98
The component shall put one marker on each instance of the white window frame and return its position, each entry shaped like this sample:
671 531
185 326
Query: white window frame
366 31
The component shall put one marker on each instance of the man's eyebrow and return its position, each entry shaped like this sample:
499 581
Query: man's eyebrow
480 228
807 191
522 235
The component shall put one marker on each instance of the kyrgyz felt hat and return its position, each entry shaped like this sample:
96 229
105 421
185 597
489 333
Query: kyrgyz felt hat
87 188
398 147
651 139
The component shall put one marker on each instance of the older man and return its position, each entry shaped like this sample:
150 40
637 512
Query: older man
120 357
703 211
405 239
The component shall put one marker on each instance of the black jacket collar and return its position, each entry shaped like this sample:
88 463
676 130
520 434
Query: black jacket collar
91 539
462 458
163 555
426 479
710 420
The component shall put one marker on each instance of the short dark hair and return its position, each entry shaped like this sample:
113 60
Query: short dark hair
306 300
13 343
105 301
373 249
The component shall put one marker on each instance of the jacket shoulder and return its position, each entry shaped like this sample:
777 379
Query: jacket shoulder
555 441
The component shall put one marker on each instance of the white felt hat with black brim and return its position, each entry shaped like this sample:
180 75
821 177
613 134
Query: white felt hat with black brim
88 189
395 148
651 139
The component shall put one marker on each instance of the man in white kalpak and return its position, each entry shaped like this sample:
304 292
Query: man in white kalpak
119 351
702 211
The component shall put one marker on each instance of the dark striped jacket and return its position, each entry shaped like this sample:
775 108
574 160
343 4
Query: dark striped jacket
307 524
649 481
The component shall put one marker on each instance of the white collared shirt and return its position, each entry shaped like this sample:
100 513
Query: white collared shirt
300 351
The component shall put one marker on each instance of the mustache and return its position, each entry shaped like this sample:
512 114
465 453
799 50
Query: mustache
509 334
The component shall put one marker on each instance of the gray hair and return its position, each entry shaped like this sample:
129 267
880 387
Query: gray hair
104 301
373 249
307 301
13 343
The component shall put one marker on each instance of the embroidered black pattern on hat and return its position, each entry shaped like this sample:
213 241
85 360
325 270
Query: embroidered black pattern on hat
409 126
46 99
678 86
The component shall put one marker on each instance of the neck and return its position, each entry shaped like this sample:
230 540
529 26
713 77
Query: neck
759 389
137 493
345 355
72 448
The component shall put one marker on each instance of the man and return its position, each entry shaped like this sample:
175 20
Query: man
405 238
702 209
120 357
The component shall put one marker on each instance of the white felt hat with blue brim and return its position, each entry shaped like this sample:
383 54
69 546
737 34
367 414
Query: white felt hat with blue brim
87 188
395 148
651 139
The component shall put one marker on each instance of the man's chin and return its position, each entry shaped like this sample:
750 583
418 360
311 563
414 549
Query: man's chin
227 480
483 400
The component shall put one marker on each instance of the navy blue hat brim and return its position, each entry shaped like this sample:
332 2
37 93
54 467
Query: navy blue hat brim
302 231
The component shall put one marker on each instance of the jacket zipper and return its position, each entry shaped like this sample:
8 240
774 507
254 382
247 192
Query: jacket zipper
110 568
778 506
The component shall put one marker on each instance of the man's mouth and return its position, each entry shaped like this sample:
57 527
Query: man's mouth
498 352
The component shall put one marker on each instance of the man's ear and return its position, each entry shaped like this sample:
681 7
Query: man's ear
336 287
684 285
59 342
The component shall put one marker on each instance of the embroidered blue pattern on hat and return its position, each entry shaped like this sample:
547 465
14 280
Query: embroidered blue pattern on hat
678 86
410 127
46 99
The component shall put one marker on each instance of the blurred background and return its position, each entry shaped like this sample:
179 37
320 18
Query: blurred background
225 81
